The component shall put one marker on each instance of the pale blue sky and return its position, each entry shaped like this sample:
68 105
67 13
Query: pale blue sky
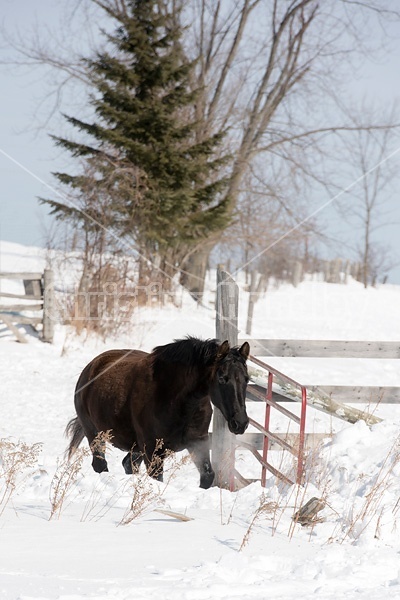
28 158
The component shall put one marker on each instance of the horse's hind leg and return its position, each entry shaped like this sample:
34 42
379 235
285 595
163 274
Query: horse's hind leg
99 462
98 447
132 461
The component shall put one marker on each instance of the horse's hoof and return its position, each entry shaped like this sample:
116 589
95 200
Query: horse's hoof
206 480
99 466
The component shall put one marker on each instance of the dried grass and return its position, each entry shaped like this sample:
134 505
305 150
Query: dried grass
64 480
17 459
266 509
371 508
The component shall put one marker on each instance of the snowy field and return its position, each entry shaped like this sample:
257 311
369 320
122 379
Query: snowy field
103 541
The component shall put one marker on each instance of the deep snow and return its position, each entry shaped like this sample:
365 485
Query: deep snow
353 553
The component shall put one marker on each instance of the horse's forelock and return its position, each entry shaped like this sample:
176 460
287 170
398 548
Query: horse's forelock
237 355
234 355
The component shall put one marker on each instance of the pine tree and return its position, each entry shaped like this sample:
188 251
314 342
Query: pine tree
142 167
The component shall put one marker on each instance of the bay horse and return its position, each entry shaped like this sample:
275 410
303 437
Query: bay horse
165 395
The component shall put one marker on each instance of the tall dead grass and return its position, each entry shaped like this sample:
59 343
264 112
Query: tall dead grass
17 460
64 481
147 493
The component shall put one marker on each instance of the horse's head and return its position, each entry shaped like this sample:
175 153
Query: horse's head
228 388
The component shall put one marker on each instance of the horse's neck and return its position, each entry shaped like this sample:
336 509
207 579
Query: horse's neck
200 386
188 384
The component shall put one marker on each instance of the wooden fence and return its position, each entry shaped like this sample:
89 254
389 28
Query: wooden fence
39 288
336 349
223 442
334 400
330 271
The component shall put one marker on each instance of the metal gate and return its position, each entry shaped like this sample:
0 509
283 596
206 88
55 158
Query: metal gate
298 449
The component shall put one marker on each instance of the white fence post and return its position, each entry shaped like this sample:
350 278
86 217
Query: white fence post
48 306
252 300
222 448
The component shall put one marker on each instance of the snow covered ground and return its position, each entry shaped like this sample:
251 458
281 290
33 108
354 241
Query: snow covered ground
236 545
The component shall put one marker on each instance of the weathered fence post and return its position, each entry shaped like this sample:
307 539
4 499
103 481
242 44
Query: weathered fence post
347 272
13 314
48 306
252 300
297 273
336 267
222 447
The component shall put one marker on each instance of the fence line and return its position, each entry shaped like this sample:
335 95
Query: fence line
38 286
320 398
347 394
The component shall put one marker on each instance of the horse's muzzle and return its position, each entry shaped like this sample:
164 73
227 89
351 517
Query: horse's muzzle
237 427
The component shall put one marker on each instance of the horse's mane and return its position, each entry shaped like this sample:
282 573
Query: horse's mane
189 352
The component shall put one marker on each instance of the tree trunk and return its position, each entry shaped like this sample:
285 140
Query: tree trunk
194 271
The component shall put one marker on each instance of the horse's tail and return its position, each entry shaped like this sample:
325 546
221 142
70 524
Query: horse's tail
74 430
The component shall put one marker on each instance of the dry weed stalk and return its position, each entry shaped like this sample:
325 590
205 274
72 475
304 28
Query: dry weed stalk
316 473
266 509
143 497
15 459
141 485
371 506
293 497
282 487
231 511
68 471
144 494
97 507
102 442
64 478
174 466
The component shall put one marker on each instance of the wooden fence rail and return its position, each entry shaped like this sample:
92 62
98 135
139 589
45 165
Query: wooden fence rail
334 400
324 349
347 394
39 287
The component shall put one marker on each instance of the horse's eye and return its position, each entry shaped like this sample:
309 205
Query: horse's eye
223 379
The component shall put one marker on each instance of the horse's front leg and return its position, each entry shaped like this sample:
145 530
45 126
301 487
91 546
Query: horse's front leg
132 461
200 453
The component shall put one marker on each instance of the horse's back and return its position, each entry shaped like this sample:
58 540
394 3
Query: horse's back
110 386
110 365
115 357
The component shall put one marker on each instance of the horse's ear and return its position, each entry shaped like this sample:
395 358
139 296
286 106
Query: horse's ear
223 350
244 350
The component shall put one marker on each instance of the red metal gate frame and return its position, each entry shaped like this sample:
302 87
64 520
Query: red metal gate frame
268 435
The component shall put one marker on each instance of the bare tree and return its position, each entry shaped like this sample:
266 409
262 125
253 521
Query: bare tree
268 223
267 70
371 160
